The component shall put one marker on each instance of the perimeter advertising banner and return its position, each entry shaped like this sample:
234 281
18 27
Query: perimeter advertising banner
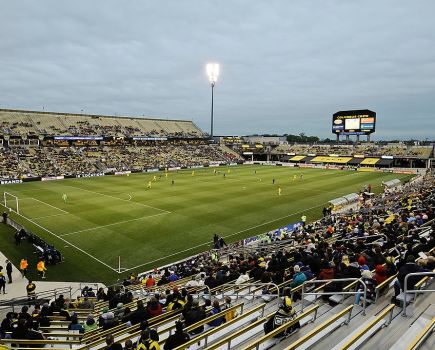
357 122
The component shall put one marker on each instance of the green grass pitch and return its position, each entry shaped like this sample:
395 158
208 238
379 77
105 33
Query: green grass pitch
112 216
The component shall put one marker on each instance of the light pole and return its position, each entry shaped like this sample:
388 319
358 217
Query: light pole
213 73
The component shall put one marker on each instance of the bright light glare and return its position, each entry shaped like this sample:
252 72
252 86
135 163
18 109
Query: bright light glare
212 72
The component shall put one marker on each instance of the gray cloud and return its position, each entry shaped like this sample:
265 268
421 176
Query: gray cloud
287 66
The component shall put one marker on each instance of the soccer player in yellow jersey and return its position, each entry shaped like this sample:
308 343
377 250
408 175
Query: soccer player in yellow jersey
279 191
166 175
193 172
154 178
294 177
149 184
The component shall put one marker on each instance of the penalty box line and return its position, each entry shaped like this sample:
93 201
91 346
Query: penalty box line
65 241
120 199
230 235
113 224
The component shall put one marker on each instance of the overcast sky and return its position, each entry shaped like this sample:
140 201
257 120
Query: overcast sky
286 66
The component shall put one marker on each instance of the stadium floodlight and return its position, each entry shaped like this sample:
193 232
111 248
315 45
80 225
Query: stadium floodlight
213 74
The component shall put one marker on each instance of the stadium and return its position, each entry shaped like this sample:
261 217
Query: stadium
129 231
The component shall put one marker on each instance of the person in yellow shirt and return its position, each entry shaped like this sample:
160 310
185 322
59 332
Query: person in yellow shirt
149 184
41 268
279 191
193 172
23 267
166 175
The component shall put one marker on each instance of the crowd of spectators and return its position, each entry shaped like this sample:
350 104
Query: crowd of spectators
51 160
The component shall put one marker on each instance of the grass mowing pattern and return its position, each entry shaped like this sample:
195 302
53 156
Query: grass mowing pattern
111 216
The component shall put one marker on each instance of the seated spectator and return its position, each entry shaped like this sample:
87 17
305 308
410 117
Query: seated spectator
215 310
154 308
90 324
177 339
75 325
111 345
194 315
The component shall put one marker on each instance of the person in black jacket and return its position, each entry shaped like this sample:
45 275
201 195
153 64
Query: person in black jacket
140 314
409 267
9 270
194 315
178 338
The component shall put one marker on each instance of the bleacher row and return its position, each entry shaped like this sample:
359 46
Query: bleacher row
29 123
320 318
72 160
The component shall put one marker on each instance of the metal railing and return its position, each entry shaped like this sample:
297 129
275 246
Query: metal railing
316 294
26 300
414 291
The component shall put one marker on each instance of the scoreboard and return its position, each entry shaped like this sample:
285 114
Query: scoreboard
357 122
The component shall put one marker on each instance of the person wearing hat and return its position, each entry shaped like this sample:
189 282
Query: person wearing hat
298 278
370 282
31 290
90 324
177 339
285 314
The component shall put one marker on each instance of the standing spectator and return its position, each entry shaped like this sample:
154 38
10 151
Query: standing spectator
23 267
9 270
31 290
41 268
2 281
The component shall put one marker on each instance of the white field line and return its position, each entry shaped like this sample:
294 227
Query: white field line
67 242
120 199
49 216
113 224
232 234
63 211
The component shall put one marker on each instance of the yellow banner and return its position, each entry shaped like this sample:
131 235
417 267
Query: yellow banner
296 158
369 161
324 159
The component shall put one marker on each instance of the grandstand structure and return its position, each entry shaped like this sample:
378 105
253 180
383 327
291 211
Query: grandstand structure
44 144
329 284
369 154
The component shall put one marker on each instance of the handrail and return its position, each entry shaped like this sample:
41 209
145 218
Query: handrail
354 339
421 337
381 285
334 293
237 333
204 321
273 285
209 332
256 343
414 291
321 327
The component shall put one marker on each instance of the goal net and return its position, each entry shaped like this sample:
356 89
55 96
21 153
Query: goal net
11 202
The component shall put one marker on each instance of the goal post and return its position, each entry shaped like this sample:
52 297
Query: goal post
11 202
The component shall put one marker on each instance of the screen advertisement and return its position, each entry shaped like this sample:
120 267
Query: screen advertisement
355 122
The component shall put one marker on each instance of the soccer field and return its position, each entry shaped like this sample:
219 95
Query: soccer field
118 216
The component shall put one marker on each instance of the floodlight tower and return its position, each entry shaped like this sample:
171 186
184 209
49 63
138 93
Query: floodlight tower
213 73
